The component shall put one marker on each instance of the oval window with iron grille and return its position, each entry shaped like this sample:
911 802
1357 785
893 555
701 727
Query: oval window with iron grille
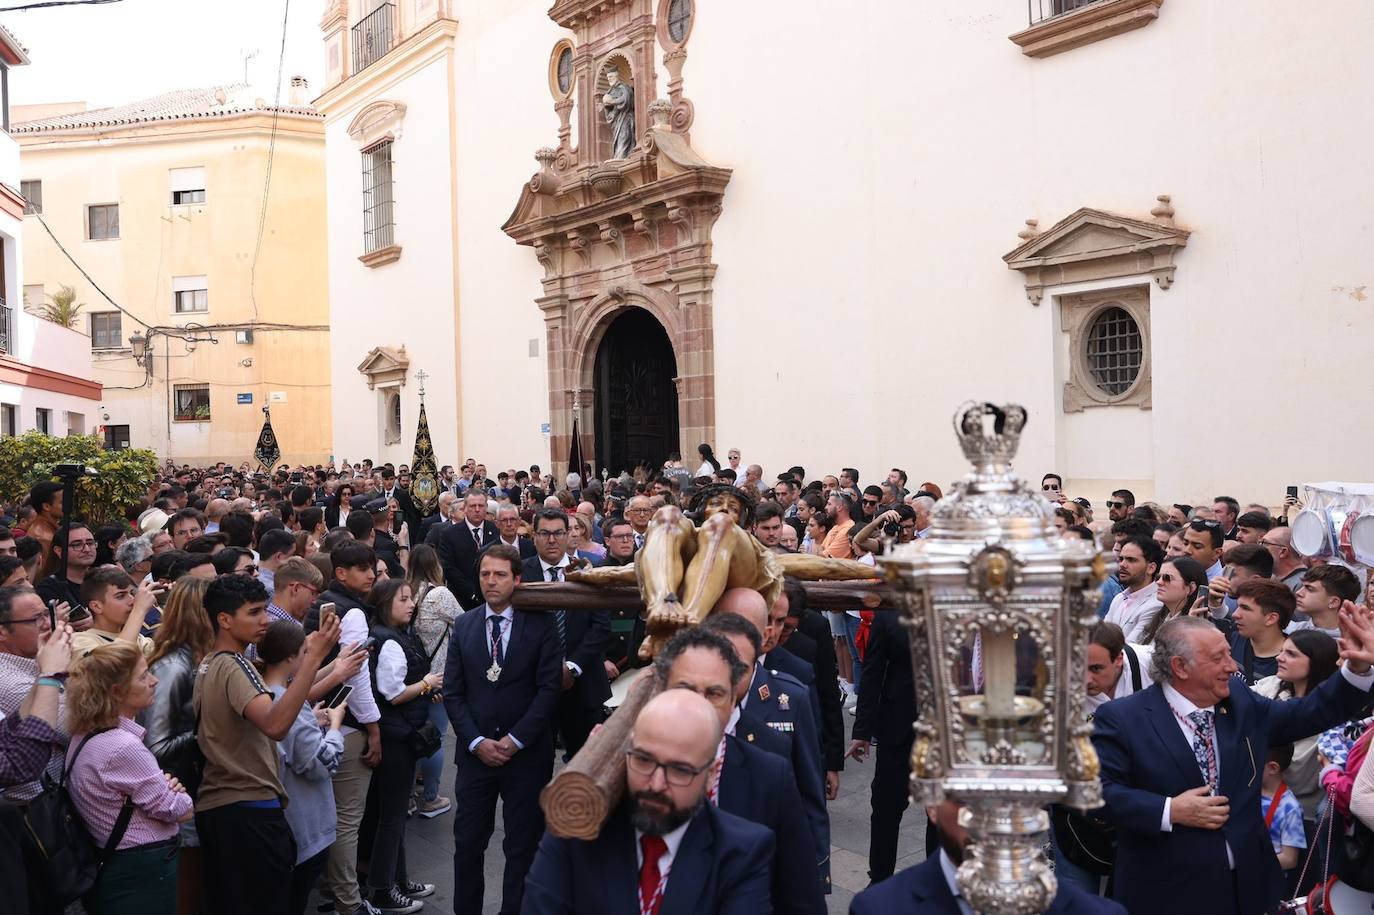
679 19
1115 351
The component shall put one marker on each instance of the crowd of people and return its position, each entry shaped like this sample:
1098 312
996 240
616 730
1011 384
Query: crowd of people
244 690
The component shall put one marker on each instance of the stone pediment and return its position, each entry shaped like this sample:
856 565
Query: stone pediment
385 364
1095 245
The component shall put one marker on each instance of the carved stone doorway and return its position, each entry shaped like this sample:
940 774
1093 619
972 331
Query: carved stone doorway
636 393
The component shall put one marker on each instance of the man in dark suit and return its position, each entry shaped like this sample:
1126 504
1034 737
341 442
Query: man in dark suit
1182 765
811 641
389 490
442 516
501 688
752 782
719 863
508 525
458 545
776 703
583 635
886 713
930 887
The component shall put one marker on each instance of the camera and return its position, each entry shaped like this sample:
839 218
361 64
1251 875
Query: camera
892 528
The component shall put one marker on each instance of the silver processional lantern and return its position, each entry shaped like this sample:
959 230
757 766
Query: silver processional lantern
999 609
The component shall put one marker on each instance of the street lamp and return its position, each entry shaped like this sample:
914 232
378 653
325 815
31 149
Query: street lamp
999 609
139 344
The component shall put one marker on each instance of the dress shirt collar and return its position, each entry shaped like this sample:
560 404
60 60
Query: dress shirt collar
1214 570
1182 705
475 528
734 720
1143 594
507 614
515 543
561 564
277 613
128 724
950 872
672 839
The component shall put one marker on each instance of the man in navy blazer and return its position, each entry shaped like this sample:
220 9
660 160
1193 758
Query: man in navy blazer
501 689
584 635
458 545
753 782
930 887
665 850
1182 766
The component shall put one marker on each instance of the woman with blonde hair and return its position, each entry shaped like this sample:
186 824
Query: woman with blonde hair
123 797
181 642
580 542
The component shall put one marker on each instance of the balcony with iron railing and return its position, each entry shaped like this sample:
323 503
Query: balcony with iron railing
373 36
6 322
1040 10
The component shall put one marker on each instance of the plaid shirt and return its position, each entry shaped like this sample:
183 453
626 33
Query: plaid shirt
278 614
17 676
26 745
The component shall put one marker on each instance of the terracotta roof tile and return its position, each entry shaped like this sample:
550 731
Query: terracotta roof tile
178 105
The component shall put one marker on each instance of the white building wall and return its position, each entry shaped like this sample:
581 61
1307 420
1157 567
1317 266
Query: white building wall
883 164
408 302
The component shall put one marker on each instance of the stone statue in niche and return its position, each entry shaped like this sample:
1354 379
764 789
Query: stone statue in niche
619 106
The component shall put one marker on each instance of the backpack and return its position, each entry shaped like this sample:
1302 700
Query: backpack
68 861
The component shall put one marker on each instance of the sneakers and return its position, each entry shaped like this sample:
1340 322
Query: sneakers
393 900
411 806
366 908
416 890
431 809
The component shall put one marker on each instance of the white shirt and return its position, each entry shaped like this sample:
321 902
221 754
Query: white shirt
476 532
1134 610
1124 685
508 615
950 871
1214 570
665 864
361 702
561 565
391 670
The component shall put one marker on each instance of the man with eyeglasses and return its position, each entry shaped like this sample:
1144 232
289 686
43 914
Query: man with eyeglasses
627 626
666 848
1289 567
77 541
751 782
1202 538
24 626
582 636
296 584
1052 486
639 512
1121 503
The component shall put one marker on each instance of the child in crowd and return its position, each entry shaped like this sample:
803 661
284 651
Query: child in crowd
1282 812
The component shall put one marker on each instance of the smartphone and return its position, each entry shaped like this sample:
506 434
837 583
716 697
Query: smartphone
327 609
1292 492
340 696
367 646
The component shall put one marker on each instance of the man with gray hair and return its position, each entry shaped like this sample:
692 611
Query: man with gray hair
135 556
1182 762
922 506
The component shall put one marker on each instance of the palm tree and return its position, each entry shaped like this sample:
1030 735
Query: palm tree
62 307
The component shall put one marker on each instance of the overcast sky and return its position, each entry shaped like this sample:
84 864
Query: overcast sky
120 52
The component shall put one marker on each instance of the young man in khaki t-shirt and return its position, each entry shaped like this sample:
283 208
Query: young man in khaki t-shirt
247 845
118 610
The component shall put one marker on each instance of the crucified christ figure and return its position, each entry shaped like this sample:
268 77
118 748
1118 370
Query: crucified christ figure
682 569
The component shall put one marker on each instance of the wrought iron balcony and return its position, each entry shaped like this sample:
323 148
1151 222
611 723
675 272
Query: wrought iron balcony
6 322
373 36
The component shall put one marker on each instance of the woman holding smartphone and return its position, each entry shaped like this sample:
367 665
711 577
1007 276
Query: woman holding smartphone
308 758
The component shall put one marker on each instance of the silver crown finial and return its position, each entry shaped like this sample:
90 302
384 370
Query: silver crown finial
989 433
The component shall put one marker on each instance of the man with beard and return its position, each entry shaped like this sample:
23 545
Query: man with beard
664 850
930 886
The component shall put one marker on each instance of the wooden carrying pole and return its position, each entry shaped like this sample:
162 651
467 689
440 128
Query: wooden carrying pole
569 595
580 798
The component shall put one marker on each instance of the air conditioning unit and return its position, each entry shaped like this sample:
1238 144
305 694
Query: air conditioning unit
243 336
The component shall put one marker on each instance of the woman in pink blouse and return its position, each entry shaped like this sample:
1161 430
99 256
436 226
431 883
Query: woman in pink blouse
108 767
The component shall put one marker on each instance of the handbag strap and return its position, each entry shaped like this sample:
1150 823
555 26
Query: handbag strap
126 811
440 644
1133 662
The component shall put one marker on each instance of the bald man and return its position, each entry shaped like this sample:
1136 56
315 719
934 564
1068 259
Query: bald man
664 849
773 701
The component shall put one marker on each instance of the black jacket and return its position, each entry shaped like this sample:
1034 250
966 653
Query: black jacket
887 693
458 555
589 632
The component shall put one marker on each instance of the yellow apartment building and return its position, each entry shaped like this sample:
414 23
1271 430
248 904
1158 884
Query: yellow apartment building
192 227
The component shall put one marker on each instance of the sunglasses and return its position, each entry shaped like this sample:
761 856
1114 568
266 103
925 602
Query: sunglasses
1049 487
870 501
1202 524
1113 504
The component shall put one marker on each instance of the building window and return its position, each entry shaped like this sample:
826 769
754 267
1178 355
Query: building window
391 404
9 420
116 438
377 199
1062 25
372 35
565 70
191 403
76 423
1109 348
42 420
34 299
679 19
188 185
102 221
190 294
32 192
106 332
1115 351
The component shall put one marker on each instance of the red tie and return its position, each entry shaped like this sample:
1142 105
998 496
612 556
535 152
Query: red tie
650 883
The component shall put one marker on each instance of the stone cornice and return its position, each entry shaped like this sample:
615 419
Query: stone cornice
414 52
1085 25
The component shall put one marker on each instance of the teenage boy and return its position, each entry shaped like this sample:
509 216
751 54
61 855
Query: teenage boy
247 845
118 608
1263 608
1282 810
1323 589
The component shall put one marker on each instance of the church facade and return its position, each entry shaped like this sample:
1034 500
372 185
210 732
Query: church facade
810 234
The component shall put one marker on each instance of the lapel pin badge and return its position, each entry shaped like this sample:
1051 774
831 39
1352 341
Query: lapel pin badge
764 693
